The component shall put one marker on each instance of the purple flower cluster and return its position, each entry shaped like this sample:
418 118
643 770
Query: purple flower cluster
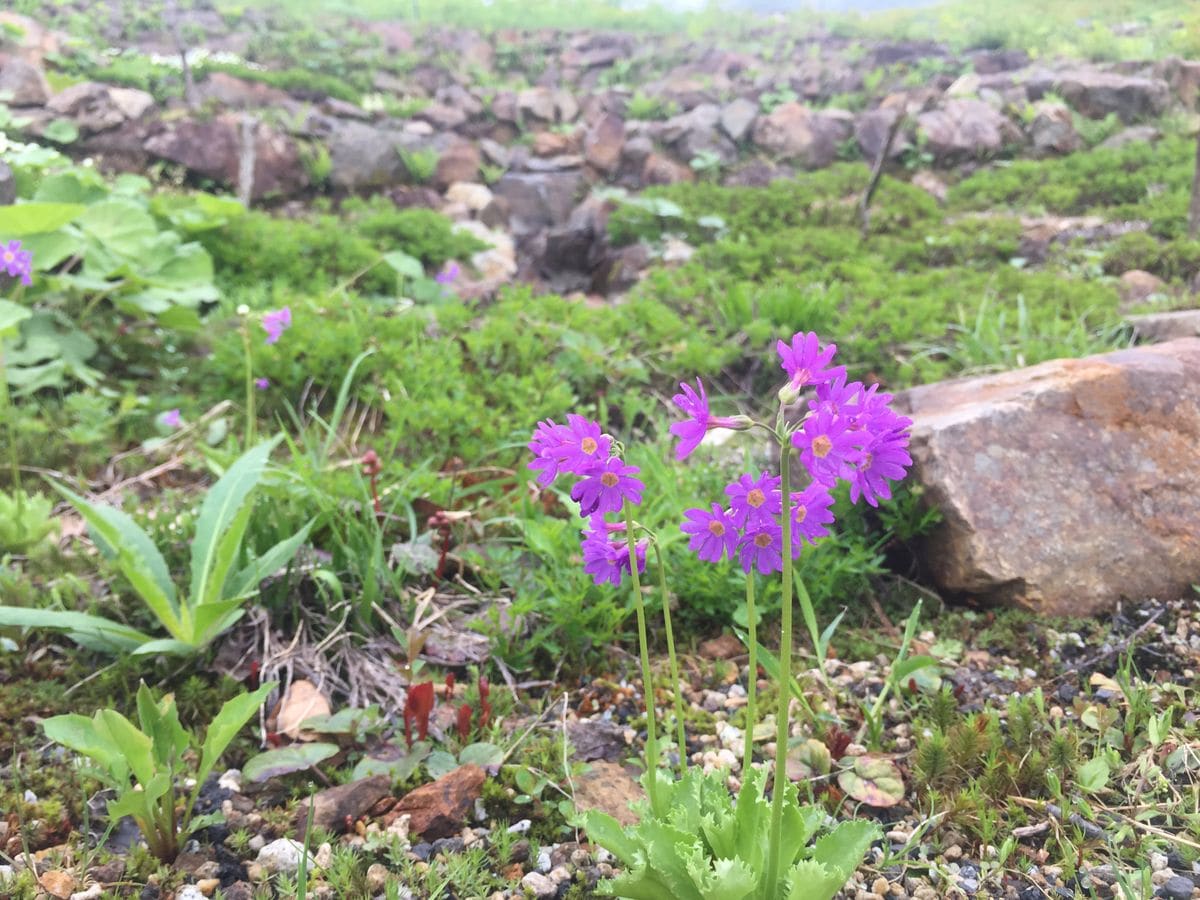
16 262
749 531
849 434
605 484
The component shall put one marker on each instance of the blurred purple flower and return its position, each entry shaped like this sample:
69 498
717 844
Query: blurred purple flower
276 322
605 559
262 383
448 274
170 419
16 262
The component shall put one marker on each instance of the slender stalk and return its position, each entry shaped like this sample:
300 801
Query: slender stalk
14 462
644 647
752 677
250 414
676 691
785 678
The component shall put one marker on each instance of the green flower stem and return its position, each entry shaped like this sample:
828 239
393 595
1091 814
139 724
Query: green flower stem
644 647
250 413
785 678
677 690
752 677
13 461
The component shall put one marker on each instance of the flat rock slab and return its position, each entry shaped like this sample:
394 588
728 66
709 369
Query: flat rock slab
333 806
1067 486
607 787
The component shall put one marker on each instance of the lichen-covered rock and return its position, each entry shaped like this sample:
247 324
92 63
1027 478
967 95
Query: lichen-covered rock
963 129
1067 486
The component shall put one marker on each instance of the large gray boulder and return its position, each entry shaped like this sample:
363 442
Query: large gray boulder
965 129
1067 486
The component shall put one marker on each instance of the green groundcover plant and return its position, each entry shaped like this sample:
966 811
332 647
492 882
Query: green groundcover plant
693 842
141 765
217 592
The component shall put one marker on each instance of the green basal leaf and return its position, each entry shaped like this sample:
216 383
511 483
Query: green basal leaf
395 761
79 733
225 726
136 746
245 582
440 763
219 512
114 634
136 556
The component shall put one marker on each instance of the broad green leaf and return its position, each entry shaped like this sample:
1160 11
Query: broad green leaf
1092 776
842 850
219 511
225 726
121 226
393 760
61 131
135 745
809 880
136 555
481 754
245 582
50 248
71 187
403 264
79 733
115 633
11 315
720 879
440 763
20 219
286 760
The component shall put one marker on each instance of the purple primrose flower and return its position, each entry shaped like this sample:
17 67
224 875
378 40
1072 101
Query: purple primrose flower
700 421
713 534
806 363
762 548
276 322
170 419
605 487
753 500
16 262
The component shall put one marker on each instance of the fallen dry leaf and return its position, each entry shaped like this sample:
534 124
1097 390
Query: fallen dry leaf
303 701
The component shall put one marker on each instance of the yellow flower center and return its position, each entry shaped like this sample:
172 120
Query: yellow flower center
821 446
609 479
756 498
762 540
9 256
588 445
800 513
716 528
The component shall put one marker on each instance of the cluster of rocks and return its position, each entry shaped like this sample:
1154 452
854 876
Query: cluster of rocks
751 115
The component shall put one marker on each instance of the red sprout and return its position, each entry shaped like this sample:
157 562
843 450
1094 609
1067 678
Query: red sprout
485 708
417 707
464 722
